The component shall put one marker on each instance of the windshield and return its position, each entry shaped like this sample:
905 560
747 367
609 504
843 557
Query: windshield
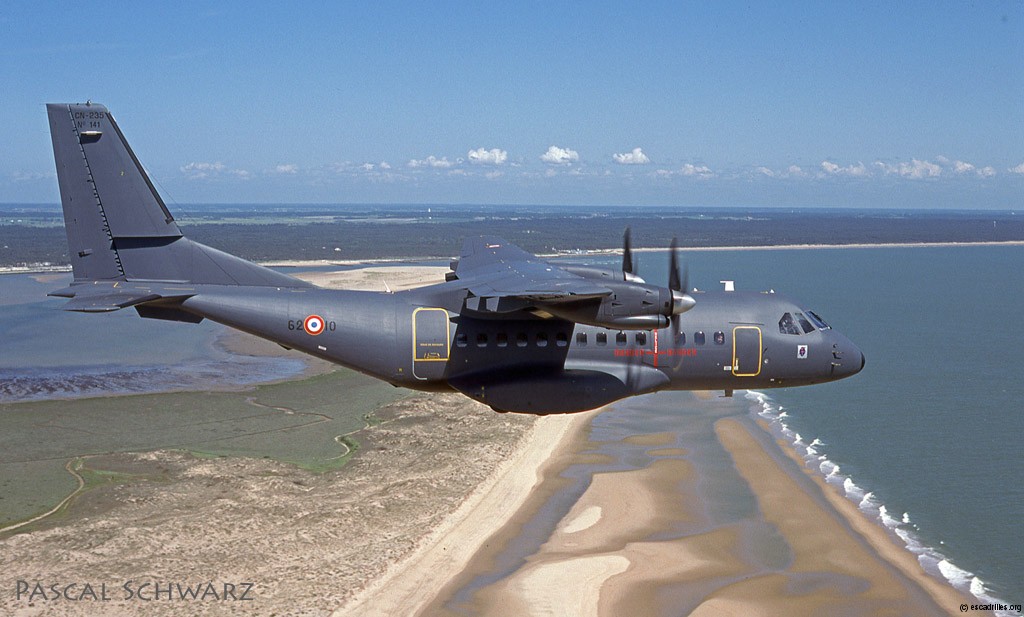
818 321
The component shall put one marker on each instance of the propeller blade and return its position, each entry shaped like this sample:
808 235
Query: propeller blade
673 266
627 254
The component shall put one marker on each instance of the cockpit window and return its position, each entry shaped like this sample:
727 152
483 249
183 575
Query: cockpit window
787 325
806 325
818 321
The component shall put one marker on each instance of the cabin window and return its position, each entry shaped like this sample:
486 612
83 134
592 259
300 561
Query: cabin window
719 338
501 339
561 339
602 338
542 339
681 339
521 339
698 338
481 340
620 338
461 340
581 339
641 338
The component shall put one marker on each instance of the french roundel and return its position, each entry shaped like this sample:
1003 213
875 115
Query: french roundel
314 324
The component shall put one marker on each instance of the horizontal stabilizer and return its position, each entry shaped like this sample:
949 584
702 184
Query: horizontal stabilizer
106 297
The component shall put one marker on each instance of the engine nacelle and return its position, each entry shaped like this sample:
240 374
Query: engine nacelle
631 306
606 274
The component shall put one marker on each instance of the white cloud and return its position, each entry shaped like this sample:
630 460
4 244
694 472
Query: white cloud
689 170
290 168
560 156
702 171
636 157
492 175
961 167
795 171
855 171
915 169
1019 169
430 161
764 171
494 156
384 165
200 170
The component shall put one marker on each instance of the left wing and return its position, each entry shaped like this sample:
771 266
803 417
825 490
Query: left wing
490 267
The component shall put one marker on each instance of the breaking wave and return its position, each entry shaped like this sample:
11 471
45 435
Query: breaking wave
931 559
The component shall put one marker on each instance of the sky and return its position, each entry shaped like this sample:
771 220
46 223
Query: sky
793 104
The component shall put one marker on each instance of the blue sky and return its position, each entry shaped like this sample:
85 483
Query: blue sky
854 104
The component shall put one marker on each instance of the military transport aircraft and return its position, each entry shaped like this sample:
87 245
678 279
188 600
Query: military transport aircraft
505 328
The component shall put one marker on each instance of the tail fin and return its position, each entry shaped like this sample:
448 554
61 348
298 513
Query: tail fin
118 227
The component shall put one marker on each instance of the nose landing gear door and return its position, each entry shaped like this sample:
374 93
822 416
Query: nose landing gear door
431 337
746 351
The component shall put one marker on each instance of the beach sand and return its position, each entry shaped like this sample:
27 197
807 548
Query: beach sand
638 542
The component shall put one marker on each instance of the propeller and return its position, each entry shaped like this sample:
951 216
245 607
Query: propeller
628 265
682 301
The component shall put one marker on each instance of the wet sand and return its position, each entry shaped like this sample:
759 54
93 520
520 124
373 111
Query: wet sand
642 542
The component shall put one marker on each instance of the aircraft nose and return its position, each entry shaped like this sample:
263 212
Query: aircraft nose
845 356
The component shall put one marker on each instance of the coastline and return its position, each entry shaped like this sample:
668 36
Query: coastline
317 263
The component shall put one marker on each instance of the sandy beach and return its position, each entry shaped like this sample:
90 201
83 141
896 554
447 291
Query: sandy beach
639 542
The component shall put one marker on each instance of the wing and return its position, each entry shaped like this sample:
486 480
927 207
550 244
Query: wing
490 267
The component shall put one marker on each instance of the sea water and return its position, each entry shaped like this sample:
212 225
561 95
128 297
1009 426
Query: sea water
928 438
46 352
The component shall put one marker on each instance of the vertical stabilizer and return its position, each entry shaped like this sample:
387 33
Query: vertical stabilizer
118 227
104 191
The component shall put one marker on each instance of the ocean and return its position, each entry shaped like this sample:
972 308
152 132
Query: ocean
925 439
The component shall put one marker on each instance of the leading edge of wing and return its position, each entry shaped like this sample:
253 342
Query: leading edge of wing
492 267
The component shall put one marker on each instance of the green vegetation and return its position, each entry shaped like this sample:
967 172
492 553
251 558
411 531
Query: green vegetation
295 422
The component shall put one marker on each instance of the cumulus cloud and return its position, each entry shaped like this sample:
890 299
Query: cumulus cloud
290 168
431 161
689 170
200 170
962 167
494 156
855 171
1019 169
916 169
764 171
635 157
702 171
560 156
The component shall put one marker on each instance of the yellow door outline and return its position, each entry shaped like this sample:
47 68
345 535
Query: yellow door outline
760 348
441 353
